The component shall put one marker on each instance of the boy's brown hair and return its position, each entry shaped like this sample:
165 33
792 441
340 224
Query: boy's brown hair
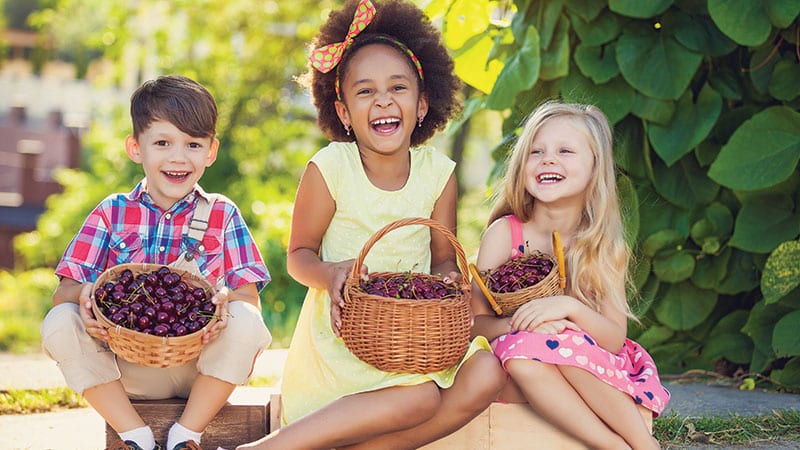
406 23
177 99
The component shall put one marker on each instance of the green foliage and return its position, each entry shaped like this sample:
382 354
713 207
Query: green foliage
704 99
24 300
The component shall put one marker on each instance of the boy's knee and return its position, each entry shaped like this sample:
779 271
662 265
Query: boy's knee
245 325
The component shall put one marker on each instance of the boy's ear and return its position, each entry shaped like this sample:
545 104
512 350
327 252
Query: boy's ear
341 111
132 149
212 152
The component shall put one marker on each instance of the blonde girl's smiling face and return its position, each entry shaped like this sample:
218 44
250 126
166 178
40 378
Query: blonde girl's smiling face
381 99
560 161
173 161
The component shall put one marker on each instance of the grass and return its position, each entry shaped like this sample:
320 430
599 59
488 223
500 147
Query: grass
674 430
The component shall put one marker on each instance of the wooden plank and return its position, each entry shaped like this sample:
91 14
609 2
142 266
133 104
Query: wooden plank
243 419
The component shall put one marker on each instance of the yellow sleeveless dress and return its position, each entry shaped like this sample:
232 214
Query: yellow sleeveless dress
319 368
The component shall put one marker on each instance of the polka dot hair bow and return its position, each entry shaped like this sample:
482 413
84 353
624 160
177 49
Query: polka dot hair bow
327 57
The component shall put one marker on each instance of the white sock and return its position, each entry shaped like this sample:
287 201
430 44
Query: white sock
143 436
178 433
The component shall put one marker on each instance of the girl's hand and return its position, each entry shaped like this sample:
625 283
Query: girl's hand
94 328
221 298
556 327
340 272
536 312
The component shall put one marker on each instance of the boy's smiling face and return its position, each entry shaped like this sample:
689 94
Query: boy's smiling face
173 161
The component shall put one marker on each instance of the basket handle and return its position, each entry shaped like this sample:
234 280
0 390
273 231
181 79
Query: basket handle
461 258
476 275
558 249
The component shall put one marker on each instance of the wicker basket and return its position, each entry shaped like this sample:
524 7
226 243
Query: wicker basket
146 349
406 335
506 303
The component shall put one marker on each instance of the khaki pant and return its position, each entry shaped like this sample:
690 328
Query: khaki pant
87 362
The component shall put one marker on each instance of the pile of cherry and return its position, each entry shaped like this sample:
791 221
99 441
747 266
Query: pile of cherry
519 273
407 286
159 303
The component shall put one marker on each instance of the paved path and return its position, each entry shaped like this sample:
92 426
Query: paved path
83 429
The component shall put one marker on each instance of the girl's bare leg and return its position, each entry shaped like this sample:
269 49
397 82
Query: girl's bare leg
478 383
615 408
355 418
557 401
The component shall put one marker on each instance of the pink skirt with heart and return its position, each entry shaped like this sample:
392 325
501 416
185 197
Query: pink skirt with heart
632 370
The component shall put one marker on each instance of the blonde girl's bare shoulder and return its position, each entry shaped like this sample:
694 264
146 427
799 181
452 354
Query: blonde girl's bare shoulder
495 244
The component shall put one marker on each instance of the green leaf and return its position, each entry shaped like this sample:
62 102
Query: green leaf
646 295
782 12
759 327
781 272
600 30
766 148
684 306
519 74
762 64
743 273
655 63
629 206
764 222
555 58
653 109
613 98
586 9
690 125
725 81
654 335
744 21
789 375
629 148
657 214
674 268
638 8
548 20
727 341
662 240
716 219
784 83
699 33
785 338
710 270
597 62
684 184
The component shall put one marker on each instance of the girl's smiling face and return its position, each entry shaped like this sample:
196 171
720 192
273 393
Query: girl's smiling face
560 162
173 161
381 99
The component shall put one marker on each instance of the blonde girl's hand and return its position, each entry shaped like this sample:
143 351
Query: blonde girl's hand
538 311
556 327
94 328
222 299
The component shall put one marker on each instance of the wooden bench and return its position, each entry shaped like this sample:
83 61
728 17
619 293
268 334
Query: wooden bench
245 418
502 426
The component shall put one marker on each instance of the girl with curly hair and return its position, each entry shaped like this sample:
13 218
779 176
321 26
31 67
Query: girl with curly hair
383 84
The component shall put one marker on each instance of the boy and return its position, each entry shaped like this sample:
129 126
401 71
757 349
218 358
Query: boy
174 139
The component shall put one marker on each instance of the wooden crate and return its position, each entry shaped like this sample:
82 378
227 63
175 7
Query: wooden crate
243 419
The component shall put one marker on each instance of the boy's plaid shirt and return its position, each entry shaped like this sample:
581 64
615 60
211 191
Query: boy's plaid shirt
127 228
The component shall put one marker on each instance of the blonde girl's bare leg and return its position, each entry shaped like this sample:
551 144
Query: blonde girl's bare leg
614 407
556 401
477 384
356 418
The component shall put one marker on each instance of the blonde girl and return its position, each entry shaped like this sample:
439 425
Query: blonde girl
568 355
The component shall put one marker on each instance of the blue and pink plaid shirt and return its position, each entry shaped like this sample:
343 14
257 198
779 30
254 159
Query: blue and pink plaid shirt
129 228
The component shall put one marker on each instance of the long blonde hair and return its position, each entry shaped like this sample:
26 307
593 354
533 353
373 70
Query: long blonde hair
597 260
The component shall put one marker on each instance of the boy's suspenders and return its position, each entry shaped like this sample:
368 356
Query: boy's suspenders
197 228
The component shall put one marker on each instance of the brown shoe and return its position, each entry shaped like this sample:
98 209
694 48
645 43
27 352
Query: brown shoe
188 445
119 444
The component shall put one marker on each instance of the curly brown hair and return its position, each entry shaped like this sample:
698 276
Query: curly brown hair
406 23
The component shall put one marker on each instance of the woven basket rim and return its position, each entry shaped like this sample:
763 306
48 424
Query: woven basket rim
137 268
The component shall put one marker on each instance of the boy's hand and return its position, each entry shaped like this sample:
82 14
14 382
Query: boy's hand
221 298
93 327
